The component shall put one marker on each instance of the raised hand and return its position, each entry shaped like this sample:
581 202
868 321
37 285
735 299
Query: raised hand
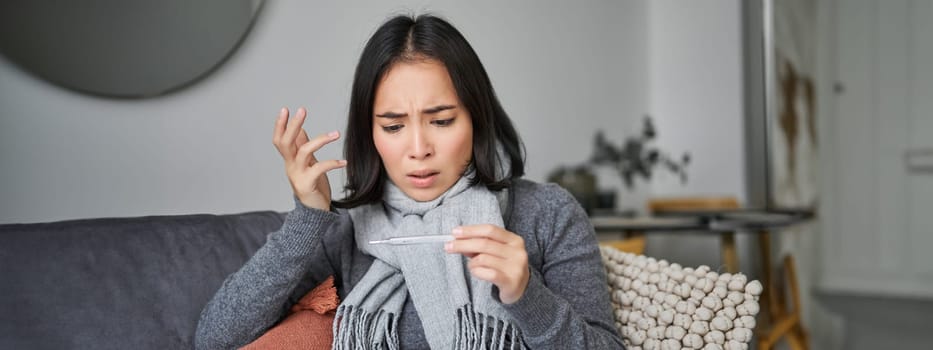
495 255
307 175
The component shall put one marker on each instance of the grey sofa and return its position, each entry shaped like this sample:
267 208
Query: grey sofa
119 283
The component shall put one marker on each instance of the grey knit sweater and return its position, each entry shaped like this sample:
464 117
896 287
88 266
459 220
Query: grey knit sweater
565 306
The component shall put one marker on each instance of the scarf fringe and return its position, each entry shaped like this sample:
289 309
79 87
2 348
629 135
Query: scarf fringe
356 329
477 331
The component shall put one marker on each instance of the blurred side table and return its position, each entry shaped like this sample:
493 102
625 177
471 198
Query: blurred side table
660 206
779 322
633 229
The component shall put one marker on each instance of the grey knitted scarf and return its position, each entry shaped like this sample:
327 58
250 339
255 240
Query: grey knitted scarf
456 310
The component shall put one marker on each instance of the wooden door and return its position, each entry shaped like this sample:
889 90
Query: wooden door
878 222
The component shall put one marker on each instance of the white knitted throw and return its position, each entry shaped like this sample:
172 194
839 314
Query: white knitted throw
660 305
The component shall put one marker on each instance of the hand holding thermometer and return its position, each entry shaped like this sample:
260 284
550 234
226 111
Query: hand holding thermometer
415 240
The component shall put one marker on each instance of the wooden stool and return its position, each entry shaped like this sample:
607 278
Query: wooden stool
783 323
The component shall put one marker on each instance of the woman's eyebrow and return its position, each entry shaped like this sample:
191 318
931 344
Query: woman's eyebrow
392 115
432 110
437 109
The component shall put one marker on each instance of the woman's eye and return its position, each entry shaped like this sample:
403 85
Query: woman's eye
444 122
392 128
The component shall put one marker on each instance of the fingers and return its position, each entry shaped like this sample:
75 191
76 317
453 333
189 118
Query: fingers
474 246
486 239
319 168
289 138
498 263
487 274
487 231
293 128
302 138
279 129
305 154
500 275
286 132
493 268
487 261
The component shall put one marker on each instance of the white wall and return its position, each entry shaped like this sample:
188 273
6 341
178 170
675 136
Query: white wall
696 93
695 64
561 69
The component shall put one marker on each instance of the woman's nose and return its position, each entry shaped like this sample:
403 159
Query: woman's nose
421 145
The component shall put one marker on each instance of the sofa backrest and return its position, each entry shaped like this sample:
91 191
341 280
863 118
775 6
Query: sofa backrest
119 283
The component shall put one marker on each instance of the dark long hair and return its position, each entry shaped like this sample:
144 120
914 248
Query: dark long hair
407 38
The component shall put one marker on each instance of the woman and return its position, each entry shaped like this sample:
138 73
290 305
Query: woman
429 151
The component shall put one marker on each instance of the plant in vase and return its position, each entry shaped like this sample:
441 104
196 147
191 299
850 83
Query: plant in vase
637 157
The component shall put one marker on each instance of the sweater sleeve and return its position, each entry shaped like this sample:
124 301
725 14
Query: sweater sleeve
252 299
566 304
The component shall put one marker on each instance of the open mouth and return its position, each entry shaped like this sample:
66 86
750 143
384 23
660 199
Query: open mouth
422 174
422 178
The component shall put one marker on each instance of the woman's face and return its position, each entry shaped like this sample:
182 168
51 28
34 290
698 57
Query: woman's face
422 132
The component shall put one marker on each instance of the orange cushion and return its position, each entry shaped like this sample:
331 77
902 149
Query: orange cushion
308 325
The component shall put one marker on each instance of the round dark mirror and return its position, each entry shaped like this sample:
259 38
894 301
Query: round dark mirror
123 48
